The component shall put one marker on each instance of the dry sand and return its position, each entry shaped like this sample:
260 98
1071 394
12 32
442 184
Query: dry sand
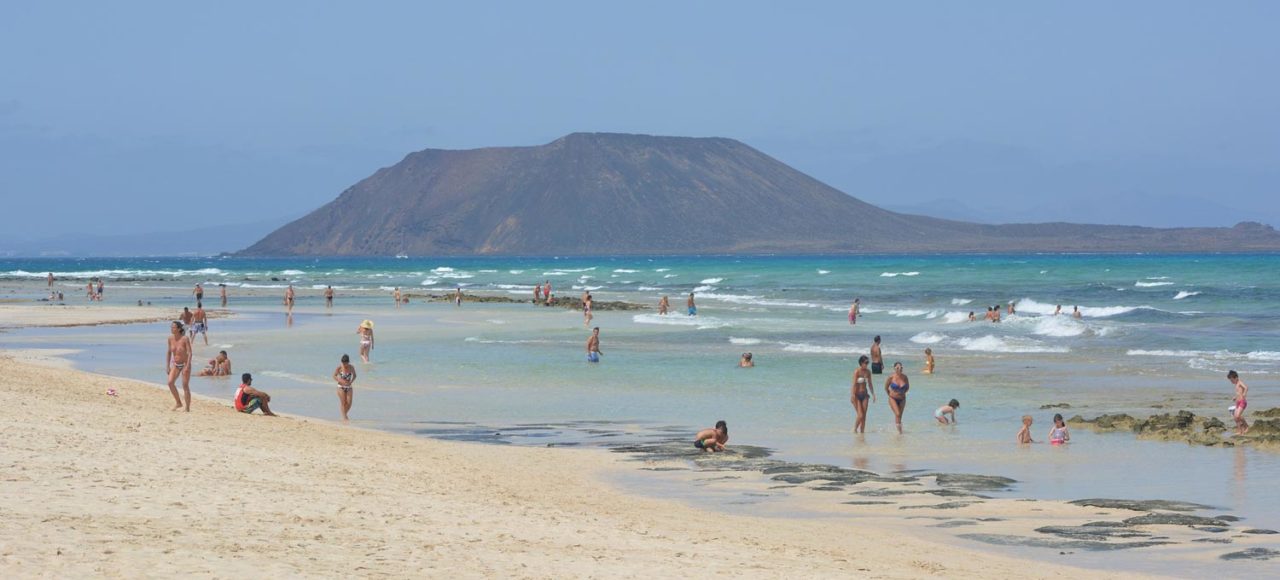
100 486
54 315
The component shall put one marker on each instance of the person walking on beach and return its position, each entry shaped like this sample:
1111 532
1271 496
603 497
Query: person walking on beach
222 292
1241 398
859 394
396 296
896 387
877 361
693 308
345 375
177 363
593 346
713 439
365 330
249 399
200 323
198 292
853 311
586 309
328 297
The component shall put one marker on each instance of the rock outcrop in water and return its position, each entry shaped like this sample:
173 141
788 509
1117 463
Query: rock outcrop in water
1186 426
602 193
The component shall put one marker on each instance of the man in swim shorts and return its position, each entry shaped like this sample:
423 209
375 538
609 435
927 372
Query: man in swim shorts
693 308
249 399
200 323
199 292
593 346
877 362
177 362
712 439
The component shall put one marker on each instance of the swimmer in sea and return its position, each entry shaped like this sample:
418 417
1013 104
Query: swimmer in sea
877 362
177 363
1024 434
995 313
853 311
593 346
1242 401
945 411
928 361
222 290
713 439
693 308
1059 434
859 394
1075 312
1012 310
365 330
972 318
1058 310
896 387
345 375
745 362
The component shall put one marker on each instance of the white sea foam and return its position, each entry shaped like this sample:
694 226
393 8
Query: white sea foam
1027 305
699 322
292 273
712 281
1264 355
670 275
991 343
663 270
430 282
1059 326
587 288
928 338
821 272
489 271
496 321
513 286
756 300
625 271
1141 284
84 274
960 301
1157 277
563 271
910 312
744 341
703 288
1172 353
896 274
515 271
954 317
456 275
823 349
648 288
1185 294
442 269
293 377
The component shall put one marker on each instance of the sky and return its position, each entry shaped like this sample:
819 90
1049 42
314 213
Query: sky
168 116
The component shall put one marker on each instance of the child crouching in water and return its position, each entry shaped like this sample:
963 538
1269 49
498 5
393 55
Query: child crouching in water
1059 434
1024 435
945 410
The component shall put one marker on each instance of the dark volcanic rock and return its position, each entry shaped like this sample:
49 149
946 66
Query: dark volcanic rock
1004 540
1093 532
1272 413
1144 505
1258 531
600 193
1056 406
1252 554
971 482
1174 520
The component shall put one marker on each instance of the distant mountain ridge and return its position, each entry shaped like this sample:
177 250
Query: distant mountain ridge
606 193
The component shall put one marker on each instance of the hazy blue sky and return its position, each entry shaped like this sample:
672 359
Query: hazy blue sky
159 116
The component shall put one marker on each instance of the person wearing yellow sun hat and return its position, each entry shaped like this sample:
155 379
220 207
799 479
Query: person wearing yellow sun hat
365 330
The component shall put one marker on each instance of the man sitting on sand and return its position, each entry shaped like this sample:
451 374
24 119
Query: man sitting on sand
712 439
249 399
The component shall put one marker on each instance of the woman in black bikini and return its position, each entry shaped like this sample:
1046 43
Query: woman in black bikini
860 393
896 387
345 374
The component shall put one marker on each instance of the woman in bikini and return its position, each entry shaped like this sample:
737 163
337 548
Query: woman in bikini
860 393
345 374
365 330
896 387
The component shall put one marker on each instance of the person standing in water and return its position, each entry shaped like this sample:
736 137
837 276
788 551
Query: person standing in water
853 311
877 362
537 294
289 297
1058 434
186 318
664 305
1058 310
546 293
896 387
693 308
1242 401
51 279
1075 313
328 297
746 362
345 375
713 439
457 297
859 394
593 346
365 330
101 287
928 361
198 292
200 323
586 309
1012 310
222 291
177 363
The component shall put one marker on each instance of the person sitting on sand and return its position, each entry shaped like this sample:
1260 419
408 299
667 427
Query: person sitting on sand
1024 434
365 330
345 375
1059 434
249 399
928 361
1242 392
896 387
593 346
713 439
219 366
746 362
947 410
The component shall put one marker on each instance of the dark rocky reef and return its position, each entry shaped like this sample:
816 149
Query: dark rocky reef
568 303
1186 426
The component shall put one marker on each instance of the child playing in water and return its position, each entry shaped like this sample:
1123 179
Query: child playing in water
928 361
1242 391
946 410
1024 435
1059 434
713 439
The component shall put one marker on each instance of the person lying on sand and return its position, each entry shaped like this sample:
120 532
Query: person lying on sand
713 439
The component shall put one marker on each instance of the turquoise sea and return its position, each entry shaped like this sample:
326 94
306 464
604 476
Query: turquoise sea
1158 334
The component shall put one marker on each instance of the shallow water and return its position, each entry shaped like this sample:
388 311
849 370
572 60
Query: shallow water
1159 333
